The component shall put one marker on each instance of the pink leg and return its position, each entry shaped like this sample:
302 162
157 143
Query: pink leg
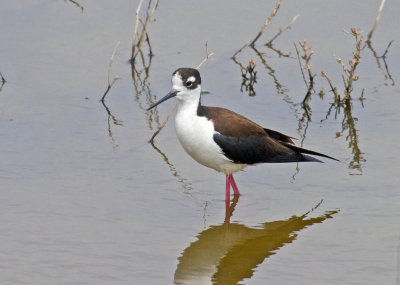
228 188
234 187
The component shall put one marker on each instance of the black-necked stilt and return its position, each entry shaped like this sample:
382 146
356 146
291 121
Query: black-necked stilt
223 140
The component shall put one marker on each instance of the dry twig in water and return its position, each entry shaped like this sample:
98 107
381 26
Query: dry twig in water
301 67
164 123
204 60
282 30
333 89
138 38
262 30
266 23
368 43
176 104
111 83
375 23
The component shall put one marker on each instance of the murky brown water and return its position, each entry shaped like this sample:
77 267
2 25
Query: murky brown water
85 199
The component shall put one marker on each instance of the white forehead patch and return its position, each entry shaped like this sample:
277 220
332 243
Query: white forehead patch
191 79
177 79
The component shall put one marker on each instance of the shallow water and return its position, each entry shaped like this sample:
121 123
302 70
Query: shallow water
85 199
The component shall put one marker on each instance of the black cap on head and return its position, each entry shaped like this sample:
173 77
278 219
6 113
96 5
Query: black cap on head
190 77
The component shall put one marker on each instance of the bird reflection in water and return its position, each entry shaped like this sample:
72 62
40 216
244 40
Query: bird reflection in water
231 252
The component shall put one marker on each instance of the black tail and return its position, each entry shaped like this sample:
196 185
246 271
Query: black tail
306 151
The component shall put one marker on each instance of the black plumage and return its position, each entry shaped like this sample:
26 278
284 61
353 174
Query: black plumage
246 142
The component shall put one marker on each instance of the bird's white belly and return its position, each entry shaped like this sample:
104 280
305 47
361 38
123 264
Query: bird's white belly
196 136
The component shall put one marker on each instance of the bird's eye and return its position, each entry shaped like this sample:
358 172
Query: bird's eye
188 83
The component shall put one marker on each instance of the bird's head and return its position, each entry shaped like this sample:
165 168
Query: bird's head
186 86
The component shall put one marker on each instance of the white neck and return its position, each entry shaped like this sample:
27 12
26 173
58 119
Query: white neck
189 101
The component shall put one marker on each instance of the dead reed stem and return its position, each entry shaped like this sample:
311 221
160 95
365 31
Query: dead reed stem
135 31
375 23
266 23
239 50
164 123
110 63
204 60
262 29
306 57
282 30
333 89
301 67
138 38
307 53
111 83
368 44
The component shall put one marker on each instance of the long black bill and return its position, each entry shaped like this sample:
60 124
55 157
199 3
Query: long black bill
171 94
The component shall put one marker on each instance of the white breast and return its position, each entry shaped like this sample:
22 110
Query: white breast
196 136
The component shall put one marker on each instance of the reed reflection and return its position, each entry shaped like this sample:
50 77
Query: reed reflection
271 72
186 185
111 120
348 130
249 73
230 252
386 74
2 80
140 78
141 60
76 3
141 84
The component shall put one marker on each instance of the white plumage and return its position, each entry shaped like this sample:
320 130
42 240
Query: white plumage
196 133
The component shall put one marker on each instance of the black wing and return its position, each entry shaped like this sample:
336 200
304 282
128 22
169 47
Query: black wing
257 149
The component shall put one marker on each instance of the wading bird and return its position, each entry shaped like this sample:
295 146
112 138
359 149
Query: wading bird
224 140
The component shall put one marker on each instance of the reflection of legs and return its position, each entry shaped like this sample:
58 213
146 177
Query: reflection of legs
228 188
234 187
230 208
